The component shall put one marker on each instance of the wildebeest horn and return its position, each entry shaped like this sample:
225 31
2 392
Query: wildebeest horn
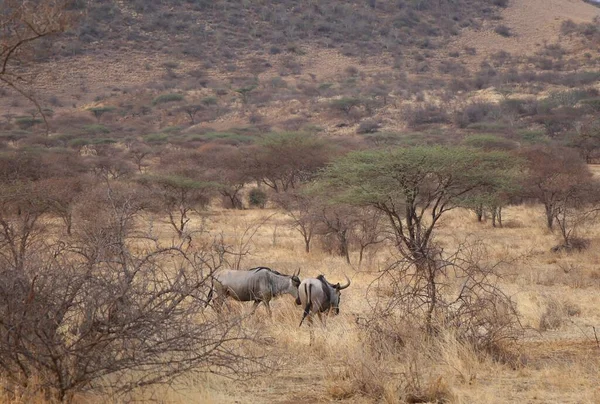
347 283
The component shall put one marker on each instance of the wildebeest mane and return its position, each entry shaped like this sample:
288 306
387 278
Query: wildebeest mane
268 269
326 287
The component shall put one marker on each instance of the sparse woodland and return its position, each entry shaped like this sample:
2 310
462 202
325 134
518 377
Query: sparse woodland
461 199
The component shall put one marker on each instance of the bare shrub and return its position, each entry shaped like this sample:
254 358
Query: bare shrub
434 391
573 244
360 375
112 309
228 168
503 30
571 309
469 50
476 112
368 126
369 231
500 58
294 124
426 113
453 68
336 224
374 371
345 105
465 298
553 317
577 208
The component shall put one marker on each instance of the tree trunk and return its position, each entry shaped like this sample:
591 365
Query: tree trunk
236 203
500 216
549 216
178 227
479 212
307 244
360 254
431 295
69 223
67 218
344 251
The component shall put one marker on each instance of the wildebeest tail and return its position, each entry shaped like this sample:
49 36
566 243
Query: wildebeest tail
307 292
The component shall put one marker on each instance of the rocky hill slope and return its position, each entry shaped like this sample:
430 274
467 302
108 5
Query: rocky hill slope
416 70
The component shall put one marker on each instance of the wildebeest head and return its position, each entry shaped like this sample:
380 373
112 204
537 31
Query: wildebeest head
294 284
295 279
334 292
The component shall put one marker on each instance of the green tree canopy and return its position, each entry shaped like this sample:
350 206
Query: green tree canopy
415 186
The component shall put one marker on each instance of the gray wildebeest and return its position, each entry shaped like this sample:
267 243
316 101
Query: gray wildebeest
259 284
319 296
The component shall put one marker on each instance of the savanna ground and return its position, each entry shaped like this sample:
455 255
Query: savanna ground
557 298
557 360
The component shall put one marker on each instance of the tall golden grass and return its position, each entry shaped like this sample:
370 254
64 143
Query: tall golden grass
557 296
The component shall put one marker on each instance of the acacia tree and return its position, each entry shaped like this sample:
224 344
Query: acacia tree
298 207
27 184
227 166
178 196
99 111
139 153
369 230
578 206
35 183
21 207
553 174
414 188
587 140
284 160
22 23
191 110
62 196
110 167
337 221
493 200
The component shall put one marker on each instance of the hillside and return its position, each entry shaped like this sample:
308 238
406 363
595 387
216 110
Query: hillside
327 66
533 23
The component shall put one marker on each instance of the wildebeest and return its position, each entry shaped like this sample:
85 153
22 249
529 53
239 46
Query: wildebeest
259 284
319 296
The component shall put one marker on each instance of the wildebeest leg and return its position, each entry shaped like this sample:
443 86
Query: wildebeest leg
268 306
254 306
323 319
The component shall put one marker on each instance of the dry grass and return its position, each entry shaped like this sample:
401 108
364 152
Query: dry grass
558 360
